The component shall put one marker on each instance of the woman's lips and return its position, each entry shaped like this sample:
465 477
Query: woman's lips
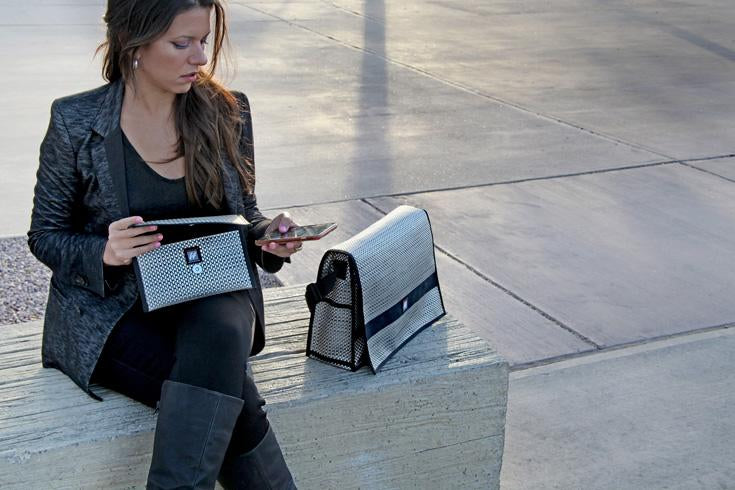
191 77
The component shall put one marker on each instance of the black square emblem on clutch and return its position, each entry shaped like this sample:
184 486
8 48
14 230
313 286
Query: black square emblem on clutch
193 255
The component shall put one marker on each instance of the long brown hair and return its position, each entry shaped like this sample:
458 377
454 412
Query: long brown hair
207 117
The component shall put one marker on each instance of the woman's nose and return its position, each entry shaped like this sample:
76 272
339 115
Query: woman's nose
199 57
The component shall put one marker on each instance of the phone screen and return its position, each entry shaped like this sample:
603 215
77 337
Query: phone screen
300 232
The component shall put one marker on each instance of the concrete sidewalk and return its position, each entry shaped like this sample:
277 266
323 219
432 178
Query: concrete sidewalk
577 159
657 415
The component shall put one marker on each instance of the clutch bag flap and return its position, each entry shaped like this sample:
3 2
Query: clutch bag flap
225 219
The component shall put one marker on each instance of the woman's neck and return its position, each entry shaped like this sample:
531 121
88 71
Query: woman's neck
147 103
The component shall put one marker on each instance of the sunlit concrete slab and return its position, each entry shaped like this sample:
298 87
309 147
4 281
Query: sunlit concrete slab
519 333
651 73
29 13
723 167
48 61
617 256
331 122
656 416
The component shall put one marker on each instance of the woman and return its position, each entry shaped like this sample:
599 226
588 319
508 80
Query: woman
161 140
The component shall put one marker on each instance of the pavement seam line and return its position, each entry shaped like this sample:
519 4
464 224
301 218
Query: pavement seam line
694 167
505 182
706 159
365 200
478 186
652 341
505 290
467 88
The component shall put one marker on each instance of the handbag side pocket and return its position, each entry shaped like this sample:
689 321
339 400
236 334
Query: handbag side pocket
334 335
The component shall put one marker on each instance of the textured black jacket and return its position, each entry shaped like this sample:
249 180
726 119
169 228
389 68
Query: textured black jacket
80 190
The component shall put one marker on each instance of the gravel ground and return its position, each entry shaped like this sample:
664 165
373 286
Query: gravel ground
24 282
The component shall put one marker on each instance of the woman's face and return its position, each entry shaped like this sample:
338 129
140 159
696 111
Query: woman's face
171 62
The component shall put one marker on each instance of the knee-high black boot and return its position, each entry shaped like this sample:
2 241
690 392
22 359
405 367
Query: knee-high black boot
262 468
192 433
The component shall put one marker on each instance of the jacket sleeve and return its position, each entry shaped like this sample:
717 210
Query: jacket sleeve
268 262
73 257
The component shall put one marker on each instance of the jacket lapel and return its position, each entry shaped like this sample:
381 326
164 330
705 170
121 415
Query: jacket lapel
116 161
107 152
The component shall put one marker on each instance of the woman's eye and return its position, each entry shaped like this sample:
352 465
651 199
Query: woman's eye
180 46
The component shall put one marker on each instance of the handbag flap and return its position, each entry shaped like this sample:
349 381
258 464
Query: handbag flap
394 256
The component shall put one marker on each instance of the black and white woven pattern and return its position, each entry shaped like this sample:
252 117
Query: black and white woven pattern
166 278
393 256
334 339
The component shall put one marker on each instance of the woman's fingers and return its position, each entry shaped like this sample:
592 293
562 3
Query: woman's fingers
129 250
125 242
135 252
281 223
131 232
285 250
285 223
140 241
124 224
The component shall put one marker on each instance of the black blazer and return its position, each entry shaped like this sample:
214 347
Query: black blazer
80 190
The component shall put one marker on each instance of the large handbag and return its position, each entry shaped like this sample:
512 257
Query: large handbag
374 292
204 265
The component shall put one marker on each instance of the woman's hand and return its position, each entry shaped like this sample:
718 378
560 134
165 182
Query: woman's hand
124 243
282 223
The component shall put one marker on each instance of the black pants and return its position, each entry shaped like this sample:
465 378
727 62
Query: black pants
205 342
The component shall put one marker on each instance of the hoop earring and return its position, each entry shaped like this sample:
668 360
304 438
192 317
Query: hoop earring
135 64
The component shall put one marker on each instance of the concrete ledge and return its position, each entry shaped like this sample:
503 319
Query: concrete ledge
434 417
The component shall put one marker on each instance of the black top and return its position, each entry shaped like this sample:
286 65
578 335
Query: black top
154 197
150 194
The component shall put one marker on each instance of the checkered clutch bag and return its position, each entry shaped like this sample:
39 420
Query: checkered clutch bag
197 267
375 292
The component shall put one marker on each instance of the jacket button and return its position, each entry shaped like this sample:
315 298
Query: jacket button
80 280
